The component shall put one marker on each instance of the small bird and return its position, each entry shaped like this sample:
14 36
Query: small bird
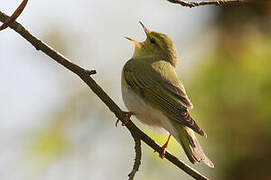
152 91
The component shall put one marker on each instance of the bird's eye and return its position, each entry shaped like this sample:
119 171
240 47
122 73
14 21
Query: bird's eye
152 41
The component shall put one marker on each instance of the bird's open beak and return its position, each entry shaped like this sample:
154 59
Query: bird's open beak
138 44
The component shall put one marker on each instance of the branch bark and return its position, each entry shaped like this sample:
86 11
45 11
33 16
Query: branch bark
204 3
85 76
138 155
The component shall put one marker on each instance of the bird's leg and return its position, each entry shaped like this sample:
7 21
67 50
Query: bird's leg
128 114
164 147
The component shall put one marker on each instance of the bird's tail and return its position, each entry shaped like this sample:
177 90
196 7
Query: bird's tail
186 137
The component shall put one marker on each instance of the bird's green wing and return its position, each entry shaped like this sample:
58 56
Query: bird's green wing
162 89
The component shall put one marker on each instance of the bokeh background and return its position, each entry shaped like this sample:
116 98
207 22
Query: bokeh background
53 127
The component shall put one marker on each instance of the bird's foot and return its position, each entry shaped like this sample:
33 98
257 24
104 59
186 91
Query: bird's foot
163 154
128 114
164 147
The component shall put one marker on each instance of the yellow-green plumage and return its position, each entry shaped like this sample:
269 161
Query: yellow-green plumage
152 90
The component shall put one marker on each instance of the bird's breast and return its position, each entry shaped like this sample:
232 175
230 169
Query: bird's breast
142 109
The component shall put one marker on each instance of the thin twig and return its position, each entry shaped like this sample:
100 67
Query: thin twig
138 157
204 3
14 16
84 75
91 72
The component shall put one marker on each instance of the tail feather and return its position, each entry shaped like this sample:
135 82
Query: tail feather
190 122
186 137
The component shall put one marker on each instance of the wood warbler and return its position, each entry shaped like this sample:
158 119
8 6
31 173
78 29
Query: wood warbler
152 91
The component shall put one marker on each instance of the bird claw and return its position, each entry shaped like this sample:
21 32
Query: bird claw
163 153
117 122
164 147
128 114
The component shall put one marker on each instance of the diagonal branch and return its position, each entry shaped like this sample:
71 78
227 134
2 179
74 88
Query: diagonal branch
14 16
207 2
85 76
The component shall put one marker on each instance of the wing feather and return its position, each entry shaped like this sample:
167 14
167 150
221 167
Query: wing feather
163 93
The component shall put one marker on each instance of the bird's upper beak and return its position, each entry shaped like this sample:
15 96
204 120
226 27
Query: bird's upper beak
144 28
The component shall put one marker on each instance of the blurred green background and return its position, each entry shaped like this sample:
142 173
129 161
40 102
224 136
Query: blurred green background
53 127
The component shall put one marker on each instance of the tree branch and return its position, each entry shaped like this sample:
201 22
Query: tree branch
138 156
14 16
204 3
84 75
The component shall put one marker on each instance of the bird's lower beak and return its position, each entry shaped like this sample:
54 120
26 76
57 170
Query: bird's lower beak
130 39
135 41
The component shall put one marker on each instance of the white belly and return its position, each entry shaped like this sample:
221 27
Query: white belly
144 112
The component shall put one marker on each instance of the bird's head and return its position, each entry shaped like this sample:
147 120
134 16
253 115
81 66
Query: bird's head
157 46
